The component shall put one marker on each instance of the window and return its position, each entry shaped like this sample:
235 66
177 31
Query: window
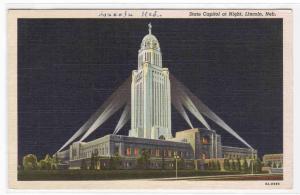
175 153
152 152
128 151
136 151
205 140
181 154
96 152
165 153
169 153
157 152
187 154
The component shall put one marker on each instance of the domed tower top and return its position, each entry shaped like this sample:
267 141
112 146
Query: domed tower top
150 49
150 41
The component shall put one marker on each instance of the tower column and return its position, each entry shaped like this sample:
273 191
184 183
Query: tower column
151 105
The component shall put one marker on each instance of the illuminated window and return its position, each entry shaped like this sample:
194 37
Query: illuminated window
152 152
181 154
165 153
157 152
169 153
136 151
205 140
128 151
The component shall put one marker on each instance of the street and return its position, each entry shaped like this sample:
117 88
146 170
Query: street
229 177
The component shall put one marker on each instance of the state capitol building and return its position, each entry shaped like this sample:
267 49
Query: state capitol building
151 129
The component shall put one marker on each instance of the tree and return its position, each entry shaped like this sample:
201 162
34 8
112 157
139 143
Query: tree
213 165
226 164
269 164
48 158
94 160
258 165
233 165
245 166
83 165
180 162
30 162
163 160
93 163
144 159
114 162
48 162
205 166
43 165
238 165
209 165
55 162
218 166
251 166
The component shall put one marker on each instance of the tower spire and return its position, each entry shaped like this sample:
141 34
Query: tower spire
150 27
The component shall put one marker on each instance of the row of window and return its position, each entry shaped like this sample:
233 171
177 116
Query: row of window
99 151
151 57
155 152
235 156
205 140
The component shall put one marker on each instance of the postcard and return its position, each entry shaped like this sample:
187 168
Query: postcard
148 99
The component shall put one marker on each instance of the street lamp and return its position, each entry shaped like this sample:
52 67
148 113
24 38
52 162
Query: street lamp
176 158
252 162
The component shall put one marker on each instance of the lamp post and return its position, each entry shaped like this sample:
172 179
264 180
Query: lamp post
176 158
252 162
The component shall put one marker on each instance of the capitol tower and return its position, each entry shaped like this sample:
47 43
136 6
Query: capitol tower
150 93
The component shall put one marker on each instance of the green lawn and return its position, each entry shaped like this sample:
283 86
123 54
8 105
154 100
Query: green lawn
41 175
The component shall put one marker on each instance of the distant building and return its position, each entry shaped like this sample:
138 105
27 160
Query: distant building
273 160
237 153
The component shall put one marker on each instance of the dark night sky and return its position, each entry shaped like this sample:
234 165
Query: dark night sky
68 67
